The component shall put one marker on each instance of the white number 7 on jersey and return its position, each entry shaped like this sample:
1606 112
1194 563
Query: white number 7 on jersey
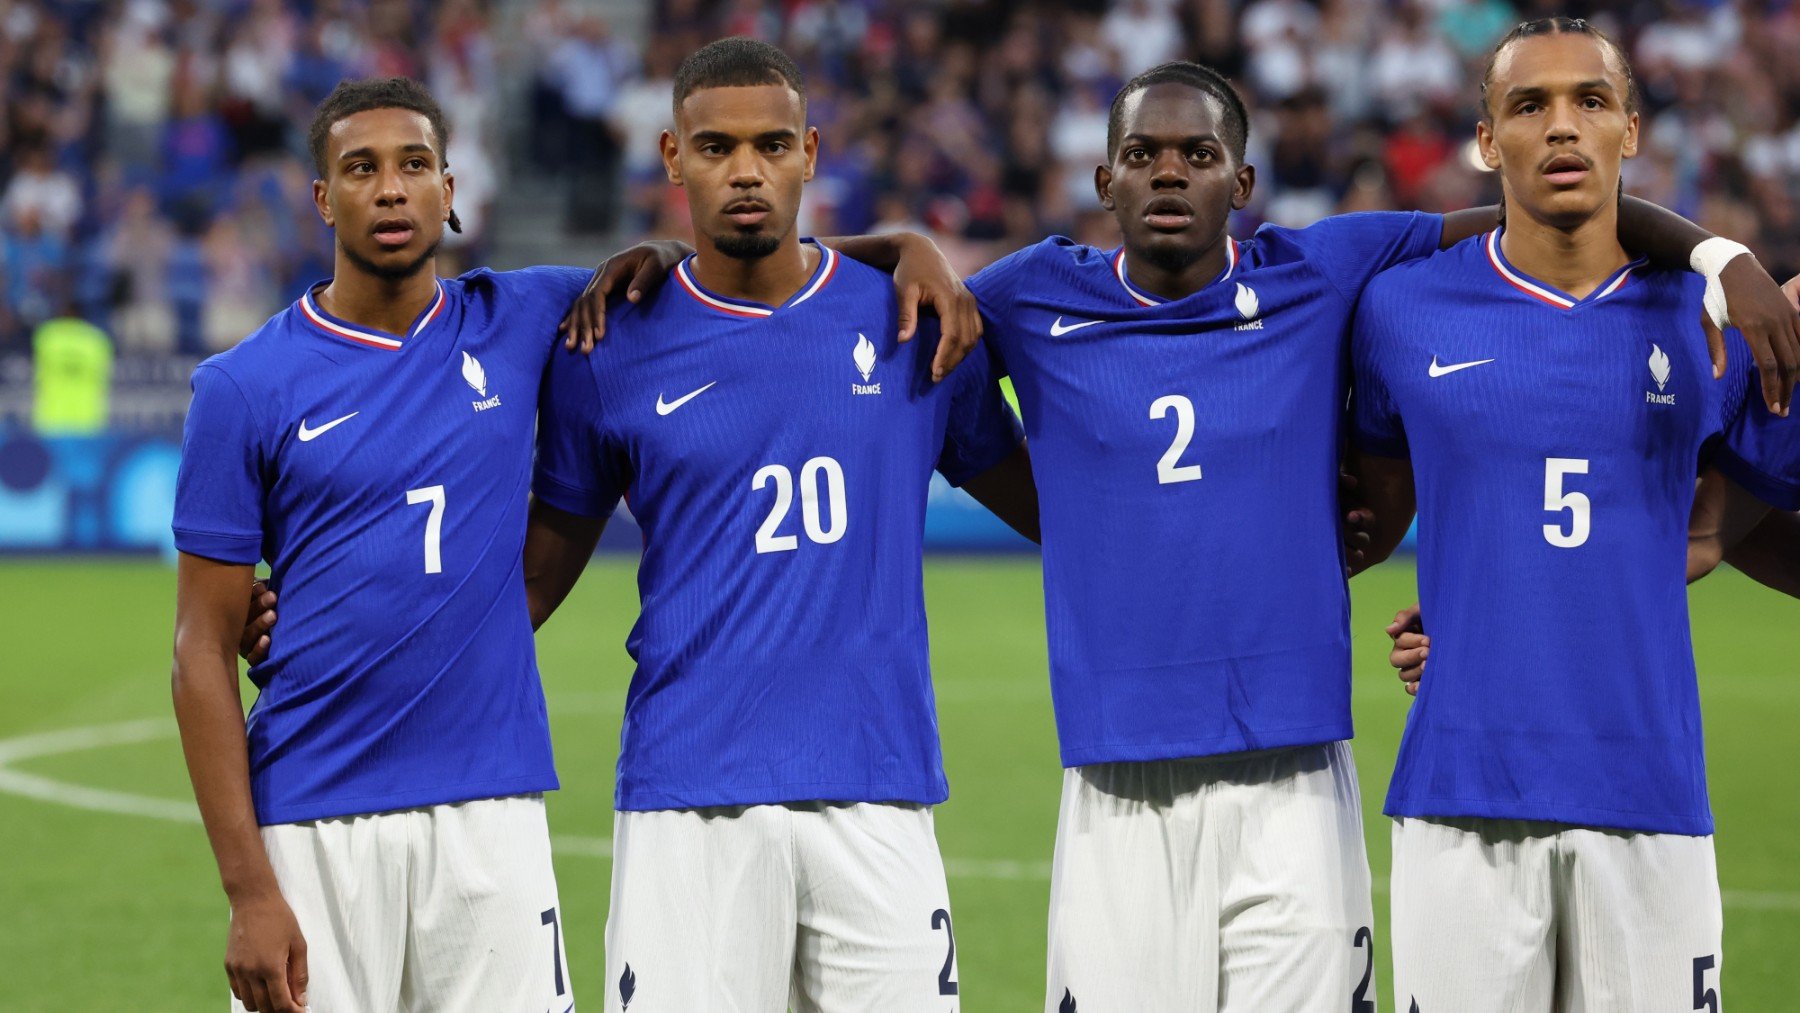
433 494
1555 500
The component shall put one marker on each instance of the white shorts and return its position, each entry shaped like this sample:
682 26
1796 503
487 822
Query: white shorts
1519 915
1229 883
751 909
447 908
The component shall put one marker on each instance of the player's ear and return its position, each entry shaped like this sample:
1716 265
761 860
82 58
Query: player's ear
810 144
1103 185
671 150
1484 140
1243 187
1631 135
322 205
449 195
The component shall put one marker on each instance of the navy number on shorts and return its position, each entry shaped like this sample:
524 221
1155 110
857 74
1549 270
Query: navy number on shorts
549 918
1359 1000
1705 998
940 919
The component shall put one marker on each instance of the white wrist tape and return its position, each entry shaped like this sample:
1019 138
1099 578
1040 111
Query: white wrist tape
1711 256
1709 259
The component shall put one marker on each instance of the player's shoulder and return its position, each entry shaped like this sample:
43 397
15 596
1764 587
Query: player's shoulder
551 286
1056 259
263 360
856 276
1436 273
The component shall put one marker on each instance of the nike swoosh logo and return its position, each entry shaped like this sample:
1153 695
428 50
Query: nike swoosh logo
308 435
1057 329
664 408
1437 370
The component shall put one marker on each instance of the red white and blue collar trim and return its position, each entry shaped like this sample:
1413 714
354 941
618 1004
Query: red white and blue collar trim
1231 261
828 262
1545 293
362 336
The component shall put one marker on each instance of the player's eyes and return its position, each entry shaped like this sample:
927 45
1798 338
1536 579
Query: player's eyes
1593 102
1526 108
712 149
776 148
1136 155
1202 155
415 163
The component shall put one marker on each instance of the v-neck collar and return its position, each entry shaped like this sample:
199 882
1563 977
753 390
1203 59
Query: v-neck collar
367 337
1145 299
827 266
1549 293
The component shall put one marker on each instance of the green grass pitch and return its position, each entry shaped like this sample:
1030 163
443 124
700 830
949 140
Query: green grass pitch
108 910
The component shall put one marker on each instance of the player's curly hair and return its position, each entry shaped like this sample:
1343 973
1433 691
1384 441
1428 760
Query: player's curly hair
736 62
1194 75
1558 26
352 97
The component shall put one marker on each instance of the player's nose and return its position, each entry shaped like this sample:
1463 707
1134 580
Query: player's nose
1169 169
1562 125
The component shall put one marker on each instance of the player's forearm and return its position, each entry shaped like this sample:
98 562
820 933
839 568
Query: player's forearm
1770 554
212 738
1658 233
882 251
558 546
1010 493
209 608
1385 488
1644 228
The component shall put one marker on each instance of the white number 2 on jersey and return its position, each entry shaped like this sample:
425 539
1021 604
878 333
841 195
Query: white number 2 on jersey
811 473
1556 501
434 523
1168 472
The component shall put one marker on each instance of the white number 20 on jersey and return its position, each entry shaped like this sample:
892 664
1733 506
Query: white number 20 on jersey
820 471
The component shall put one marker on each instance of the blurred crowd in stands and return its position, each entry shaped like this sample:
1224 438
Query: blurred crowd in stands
153 176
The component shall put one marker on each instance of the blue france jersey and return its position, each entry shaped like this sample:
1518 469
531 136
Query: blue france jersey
384 479
778 461
1554 445
1186 456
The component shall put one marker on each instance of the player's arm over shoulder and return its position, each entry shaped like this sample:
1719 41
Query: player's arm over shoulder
1350 249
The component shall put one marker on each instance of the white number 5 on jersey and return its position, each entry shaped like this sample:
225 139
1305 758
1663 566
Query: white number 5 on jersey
1556 501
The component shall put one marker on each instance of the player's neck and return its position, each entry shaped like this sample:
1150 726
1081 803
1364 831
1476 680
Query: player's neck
770 280
1176 283
382 304
1577 260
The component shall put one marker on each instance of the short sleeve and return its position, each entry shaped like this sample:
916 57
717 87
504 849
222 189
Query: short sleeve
995 287
219 490
982 429
577 470
1761 452
1375 425
1352 248
553 288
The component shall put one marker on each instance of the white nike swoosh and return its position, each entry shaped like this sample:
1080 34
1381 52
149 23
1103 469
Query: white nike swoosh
1437 370
663 408
1057 329
308 435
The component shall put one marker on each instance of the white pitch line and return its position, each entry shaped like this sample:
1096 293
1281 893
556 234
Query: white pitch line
75 740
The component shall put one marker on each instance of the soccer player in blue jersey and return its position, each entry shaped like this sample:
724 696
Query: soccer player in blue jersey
378 818
1546 401
1209 851
773 844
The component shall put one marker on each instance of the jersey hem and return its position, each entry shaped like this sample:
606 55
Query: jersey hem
371 805
568 498
1575 816
238 549
1309 735
650 800
1771 490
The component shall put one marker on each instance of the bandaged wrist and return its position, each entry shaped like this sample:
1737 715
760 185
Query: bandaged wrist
1711 256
